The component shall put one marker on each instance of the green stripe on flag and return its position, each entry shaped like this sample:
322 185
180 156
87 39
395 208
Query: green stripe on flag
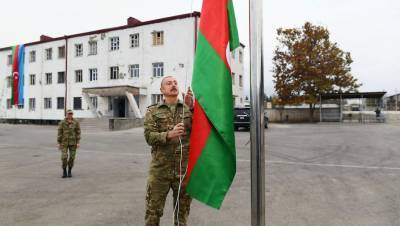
212 85
233 32
214 172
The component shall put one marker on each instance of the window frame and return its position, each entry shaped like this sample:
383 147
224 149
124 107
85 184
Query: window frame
158 69
32 79
49 78
75 107
47 101
32 56
78 74
32 104
114 43
62 106
134 40
134 71
93 74
112 72
92 47
158 41
61 52
58 77
79 50
49 54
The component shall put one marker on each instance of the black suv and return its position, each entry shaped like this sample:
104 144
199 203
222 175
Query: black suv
242 118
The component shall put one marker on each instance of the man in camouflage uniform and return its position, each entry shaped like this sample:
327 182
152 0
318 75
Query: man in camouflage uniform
165 124
69 135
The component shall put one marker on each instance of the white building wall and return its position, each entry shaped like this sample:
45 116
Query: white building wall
237 69
177 54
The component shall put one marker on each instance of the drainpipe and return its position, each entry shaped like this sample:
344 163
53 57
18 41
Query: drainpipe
66 75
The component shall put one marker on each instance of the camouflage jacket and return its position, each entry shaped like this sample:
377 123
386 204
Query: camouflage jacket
69 133
158 121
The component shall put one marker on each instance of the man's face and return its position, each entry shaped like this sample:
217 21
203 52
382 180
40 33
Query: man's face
69 115
169 87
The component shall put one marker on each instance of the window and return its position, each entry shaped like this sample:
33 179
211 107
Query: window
240 56
32 104
9 104
32 80
77 103
61 77
32 56
114 43
78 50
158 69
93 74
60 103
233 78
114 72
92 47
134 70
49 78
9 60
61 52
93 100
134 40
240 81
47 103
156 98
9 81
49 54
158 38
78 76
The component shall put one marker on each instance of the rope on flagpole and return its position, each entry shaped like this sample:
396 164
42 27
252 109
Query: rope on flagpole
182 177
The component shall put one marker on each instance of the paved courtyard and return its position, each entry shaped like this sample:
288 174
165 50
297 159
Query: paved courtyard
322 174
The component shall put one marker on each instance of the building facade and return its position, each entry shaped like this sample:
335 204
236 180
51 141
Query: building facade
392 103
114 72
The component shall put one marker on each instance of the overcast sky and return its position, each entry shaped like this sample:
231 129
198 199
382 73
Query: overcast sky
369 29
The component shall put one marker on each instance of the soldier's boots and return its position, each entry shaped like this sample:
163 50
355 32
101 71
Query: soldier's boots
64 173
69 172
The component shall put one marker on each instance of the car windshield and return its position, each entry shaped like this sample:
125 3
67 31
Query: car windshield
242 111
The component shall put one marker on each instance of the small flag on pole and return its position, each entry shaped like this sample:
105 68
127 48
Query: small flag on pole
17 89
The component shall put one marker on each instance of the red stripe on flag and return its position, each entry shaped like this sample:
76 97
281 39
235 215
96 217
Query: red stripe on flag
201 129
214 25
15 74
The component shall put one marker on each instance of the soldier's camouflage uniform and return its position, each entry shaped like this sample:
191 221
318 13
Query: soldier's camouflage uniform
69 135
165 169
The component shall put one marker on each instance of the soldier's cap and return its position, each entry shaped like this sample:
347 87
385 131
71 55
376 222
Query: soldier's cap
70 112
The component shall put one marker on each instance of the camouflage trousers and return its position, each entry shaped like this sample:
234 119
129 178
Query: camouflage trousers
157 191
68 160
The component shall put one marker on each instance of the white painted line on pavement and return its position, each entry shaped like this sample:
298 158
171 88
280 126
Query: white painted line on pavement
325 165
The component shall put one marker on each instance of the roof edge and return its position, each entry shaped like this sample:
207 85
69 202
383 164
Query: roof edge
155 21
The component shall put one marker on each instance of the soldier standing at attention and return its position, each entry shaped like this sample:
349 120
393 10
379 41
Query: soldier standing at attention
167 126
69 135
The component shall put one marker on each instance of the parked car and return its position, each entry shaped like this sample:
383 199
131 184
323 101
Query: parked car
242 118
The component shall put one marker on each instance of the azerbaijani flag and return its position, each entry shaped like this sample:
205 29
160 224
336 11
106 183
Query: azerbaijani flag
17 89
212 155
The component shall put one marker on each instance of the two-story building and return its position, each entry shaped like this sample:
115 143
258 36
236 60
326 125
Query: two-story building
113 72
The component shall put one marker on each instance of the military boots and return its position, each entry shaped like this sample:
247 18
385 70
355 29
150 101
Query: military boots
64 173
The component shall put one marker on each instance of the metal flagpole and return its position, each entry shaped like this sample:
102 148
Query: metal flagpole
257 115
